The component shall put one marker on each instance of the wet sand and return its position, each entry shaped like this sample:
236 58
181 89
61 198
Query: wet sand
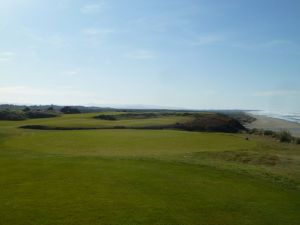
268 123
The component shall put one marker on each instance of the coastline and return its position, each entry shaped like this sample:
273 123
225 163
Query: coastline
274 124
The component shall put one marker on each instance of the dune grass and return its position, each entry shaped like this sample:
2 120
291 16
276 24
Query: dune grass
144 176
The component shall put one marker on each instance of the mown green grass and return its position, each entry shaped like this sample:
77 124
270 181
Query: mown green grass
124 143
144 176
95 191
87 120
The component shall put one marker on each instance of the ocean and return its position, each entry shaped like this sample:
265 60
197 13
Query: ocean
292 117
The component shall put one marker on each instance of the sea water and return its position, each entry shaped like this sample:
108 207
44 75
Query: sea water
291 116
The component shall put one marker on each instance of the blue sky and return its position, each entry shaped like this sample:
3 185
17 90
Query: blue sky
200 54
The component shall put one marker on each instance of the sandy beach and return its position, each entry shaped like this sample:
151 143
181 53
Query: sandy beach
268 123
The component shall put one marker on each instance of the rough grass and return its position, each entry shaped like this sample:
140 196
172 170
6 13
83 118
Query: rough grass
144 176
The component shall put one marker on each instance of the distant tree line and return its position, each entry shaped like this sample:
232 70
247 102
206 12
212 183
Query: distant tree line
12 115
70 110
82 109
35 113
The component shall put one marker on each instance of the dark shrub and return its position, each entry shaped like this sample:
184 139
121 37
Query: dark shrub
40 114
212 123
252 131
127 116
21 115
106 117
119 127
285 136
268 133
26 109
12 115
297 141
137 116
70 110
256 131
37 127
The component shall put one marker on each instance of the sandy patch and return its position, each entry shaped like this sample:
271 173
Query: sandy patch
268 123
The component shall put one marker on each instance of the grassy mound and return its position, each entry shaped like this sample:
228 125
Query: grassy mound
212 123
209 122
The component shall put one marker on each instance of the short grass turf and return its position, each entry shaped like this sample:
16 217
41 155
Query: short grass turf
142 177
96 191
125 143
87 120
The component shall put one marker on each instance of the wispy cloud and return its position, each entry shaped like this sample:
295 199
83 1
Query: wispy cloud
96 36
141 55
214 39
278 93
33 95
71 73
93 8
207 40
276 42
27 90
92 31
272 43
55 40
208 92
6 56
